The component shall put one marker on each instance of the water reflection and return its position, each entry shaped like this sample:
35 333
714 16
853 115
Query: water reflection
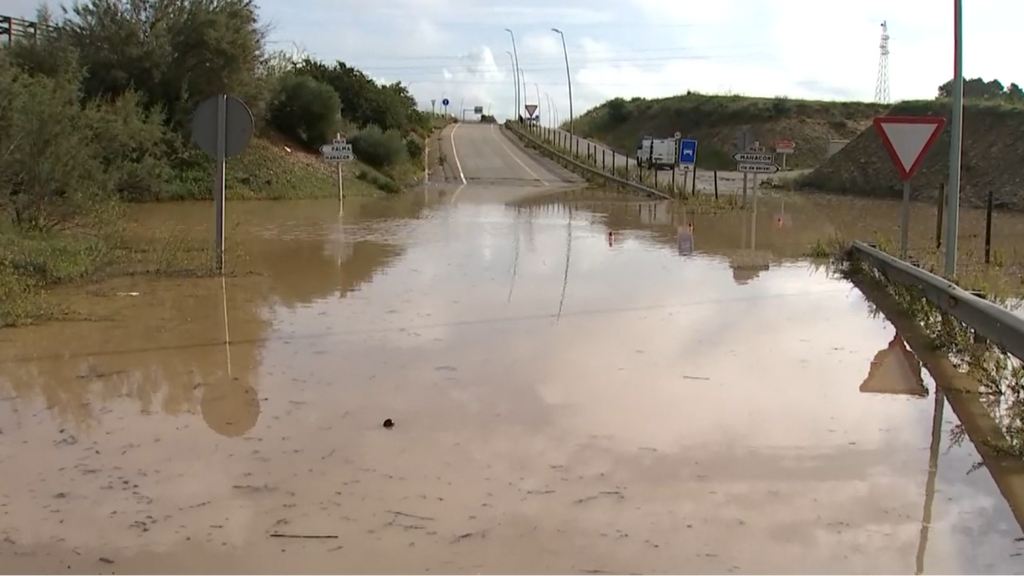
230 408
929 485
194 345
895 370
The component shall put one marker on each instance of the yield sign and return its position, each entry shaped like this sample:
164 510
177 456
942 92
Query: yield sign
530 109
908 139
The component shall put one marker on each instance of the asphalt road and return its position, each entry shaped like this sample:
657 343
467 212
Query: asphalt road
487 165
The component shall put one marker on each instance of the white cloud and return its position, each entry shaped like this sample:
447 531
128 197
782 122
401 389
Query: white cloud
798 48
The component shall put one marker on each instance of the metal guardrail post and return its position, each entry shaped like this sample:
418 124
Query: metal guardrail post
988 320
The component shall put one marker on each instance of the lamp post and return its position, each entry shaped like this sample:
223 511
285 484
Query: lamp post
515 84
955 142
568 75
515 56
522 90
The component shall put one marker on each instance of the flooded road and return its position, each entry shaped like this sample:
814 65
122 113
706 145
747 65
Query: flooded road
661 399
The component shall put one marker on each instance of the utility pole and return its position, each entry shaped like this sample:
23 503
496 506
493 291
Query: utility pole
955 142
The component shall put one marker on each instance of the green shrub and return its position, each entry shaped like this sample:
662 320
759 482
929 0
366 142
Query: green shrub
52 174
304 109
617 111
379 181
378 148
414 147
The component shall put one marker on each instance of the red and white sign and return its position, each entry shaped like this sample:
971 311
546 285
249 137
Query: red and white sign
785 146
908 139
530 109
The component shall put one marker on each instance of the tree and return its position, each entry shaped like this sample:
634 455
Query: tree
979 89
304 109
174 53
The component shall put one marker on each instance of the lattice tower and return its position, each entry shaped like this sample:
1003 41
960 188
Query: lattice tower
882 82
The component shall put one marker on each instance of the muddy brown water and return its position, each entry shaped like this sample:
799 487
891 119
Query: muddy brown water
659 399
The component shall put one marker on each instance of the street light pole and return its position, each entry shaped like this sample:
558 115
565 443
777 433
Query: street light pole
515 85
955 142
568 76
515 54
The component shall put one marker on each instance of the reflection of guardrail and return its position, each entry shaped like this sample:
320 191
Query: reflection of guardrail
580 166
991 321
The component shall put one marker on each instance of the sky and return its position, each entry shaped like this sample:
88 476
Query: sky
456 49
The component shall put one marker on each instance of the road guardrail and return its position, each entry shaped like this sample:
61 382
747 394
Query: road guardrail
989 320
551 152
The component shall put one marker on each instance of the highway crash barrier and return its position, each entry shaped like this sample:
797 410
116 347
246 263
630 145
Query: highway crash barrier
584 168
988 320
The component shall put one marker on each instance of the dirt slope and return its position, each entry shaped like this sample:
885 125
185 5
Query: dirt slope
715 122
992 152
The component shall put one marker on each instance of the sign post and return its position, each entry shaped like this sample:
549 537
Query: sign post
755 161
687 159
445 102
908 138
222 126
339 152
784 148
530 109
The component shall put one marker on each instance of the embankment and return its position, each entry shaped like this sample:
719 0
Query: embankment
992 150
715 121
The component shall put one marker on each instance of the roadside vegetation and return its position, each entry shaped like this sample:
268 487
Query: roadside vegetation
95 113
995 377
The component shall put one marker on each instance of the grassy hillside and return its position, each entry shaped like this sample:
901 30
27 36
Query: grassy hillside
992 149
715 122
272 167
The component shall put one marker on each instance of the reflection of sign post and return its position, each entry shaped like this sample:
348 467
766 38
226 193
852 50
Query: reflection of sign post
908 138
895 370
222 126
339 152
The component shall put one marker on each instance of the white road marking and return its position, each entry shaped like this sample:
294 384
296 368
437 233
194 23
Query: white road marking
516 158
456 155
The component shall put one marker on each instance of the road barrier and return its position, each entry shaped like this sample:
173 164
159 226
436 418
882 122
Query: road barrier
988 320
582 167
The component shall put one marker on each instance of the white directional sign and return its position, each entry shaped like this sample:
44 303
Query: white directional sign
753 158
337 151
757 168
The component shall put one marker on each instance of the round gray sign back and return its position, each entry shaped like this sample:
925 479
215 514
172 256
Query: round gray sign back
239 126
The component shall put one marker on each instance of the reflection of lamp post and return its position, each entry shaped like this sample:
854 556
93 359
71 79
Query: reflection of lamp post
568 256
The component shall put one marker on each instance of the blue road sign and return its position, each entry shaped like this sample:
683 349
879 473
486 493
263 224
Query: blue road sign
444 102
687 152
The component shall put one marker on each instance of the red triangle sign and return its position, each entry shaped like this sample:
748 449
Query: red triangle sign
530 109
908 138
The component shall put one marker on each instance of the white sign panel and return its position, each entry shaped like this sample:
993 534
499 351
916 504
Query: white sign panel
753 158
757 168
337 151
